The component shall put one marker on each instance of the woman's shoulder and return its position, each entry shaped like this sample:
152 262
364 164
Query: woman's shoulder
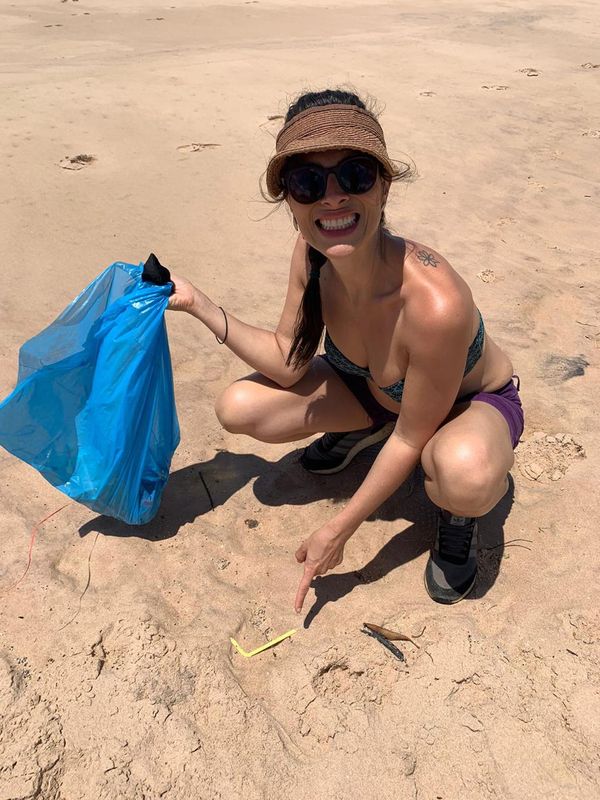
433 288
422 255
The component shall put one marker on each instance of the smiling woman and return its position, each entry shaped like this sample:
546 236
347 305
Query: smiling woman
329 133
434 387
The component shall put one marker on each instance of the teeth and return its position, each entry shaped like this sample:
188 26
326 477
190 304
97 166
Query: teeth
338 224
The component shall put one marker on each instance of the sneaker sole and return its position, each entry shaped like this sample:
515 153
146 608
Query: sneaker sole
368 441
446 602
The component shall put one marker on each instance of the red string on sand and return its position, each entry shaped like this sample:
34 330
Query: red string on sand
34 531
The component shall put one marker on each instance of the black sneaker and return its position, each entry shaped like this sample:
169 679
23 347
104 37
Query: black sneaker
451 571
334 451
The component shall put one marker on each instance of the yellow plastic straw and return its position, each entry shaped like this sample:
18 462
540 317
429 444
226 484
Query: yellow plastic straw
264 646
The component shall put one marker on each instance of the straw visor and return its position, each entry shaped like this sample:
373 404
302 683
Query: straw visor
332 127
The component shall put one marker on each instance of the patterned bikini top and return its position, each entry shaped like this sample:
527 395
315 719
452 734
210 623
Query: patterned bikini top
339 360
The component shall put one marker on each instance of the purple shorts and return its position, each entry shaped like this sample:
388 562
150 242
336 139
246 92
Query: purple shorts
506 400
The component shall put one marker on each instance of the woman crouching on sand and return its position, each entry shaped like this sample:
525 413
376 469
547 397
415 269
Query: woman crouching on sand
407 359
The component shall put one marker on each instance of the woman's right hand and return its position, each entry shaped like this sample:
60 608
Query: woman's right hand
184 294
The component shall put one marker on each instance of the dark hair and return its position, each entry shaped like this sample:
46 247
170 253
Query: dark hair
327 97
309 322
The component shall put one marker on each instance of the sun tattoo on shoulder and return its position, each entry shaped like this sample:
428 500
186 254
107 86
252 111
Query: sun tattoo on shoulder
427 258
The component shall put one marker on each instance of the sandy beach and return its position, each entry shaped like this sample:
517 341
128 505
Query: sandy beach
117 676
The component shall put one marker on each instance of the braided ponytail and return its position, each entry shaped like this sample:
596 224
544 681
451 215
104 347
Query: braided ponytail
309 322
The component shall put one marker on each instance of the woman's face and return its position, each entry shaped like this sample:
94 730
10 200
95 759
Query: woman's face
339 222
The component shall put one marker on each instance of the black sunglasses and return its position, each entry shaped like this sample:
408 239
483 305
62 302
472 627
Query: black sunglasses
307 183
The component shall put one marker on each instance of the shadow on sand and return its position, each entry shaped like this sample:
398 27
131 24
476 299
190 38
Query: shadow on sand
285 483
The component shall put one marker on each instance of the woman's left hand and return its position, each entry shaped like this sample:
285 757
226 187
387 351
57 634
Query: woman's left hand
322 551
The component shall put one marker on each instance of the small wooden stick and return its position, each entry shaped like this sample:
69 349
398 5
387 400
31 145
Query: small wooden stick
391 636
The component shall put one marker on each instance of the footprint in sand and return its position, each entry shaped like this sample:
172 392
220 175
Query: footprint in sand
496 87
427 94
272 123
488 276
195 147
338 698
535 184
589 65
586 627
591 134
530 72
76 162
545 457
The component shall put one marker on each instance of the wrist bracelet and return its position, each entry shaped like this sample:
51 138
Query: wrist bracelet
224 339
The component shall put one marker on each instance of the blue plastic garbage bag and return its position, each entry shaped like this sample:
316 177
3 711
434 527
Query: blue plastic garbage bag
94 408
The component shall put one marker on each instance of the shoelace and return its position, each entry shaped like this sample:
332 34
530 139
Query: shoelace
455 541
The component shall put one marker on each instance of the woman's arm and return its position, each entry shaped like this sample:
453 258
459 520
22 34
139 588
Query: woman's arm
263 350
437 356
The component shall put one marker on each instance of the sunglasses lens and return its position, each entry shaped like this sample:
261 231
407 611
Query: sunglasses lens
357 175
306 184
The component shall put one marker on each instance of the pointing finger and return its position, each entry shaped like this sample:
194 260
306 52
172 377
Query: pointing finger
303 588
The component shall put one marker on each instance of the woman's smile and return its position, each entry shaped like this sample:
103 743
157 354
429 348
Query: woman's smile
340 224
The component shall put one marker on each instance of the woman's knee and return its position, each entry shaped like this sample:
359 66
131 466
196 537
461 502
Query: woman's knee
465 470
236 407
